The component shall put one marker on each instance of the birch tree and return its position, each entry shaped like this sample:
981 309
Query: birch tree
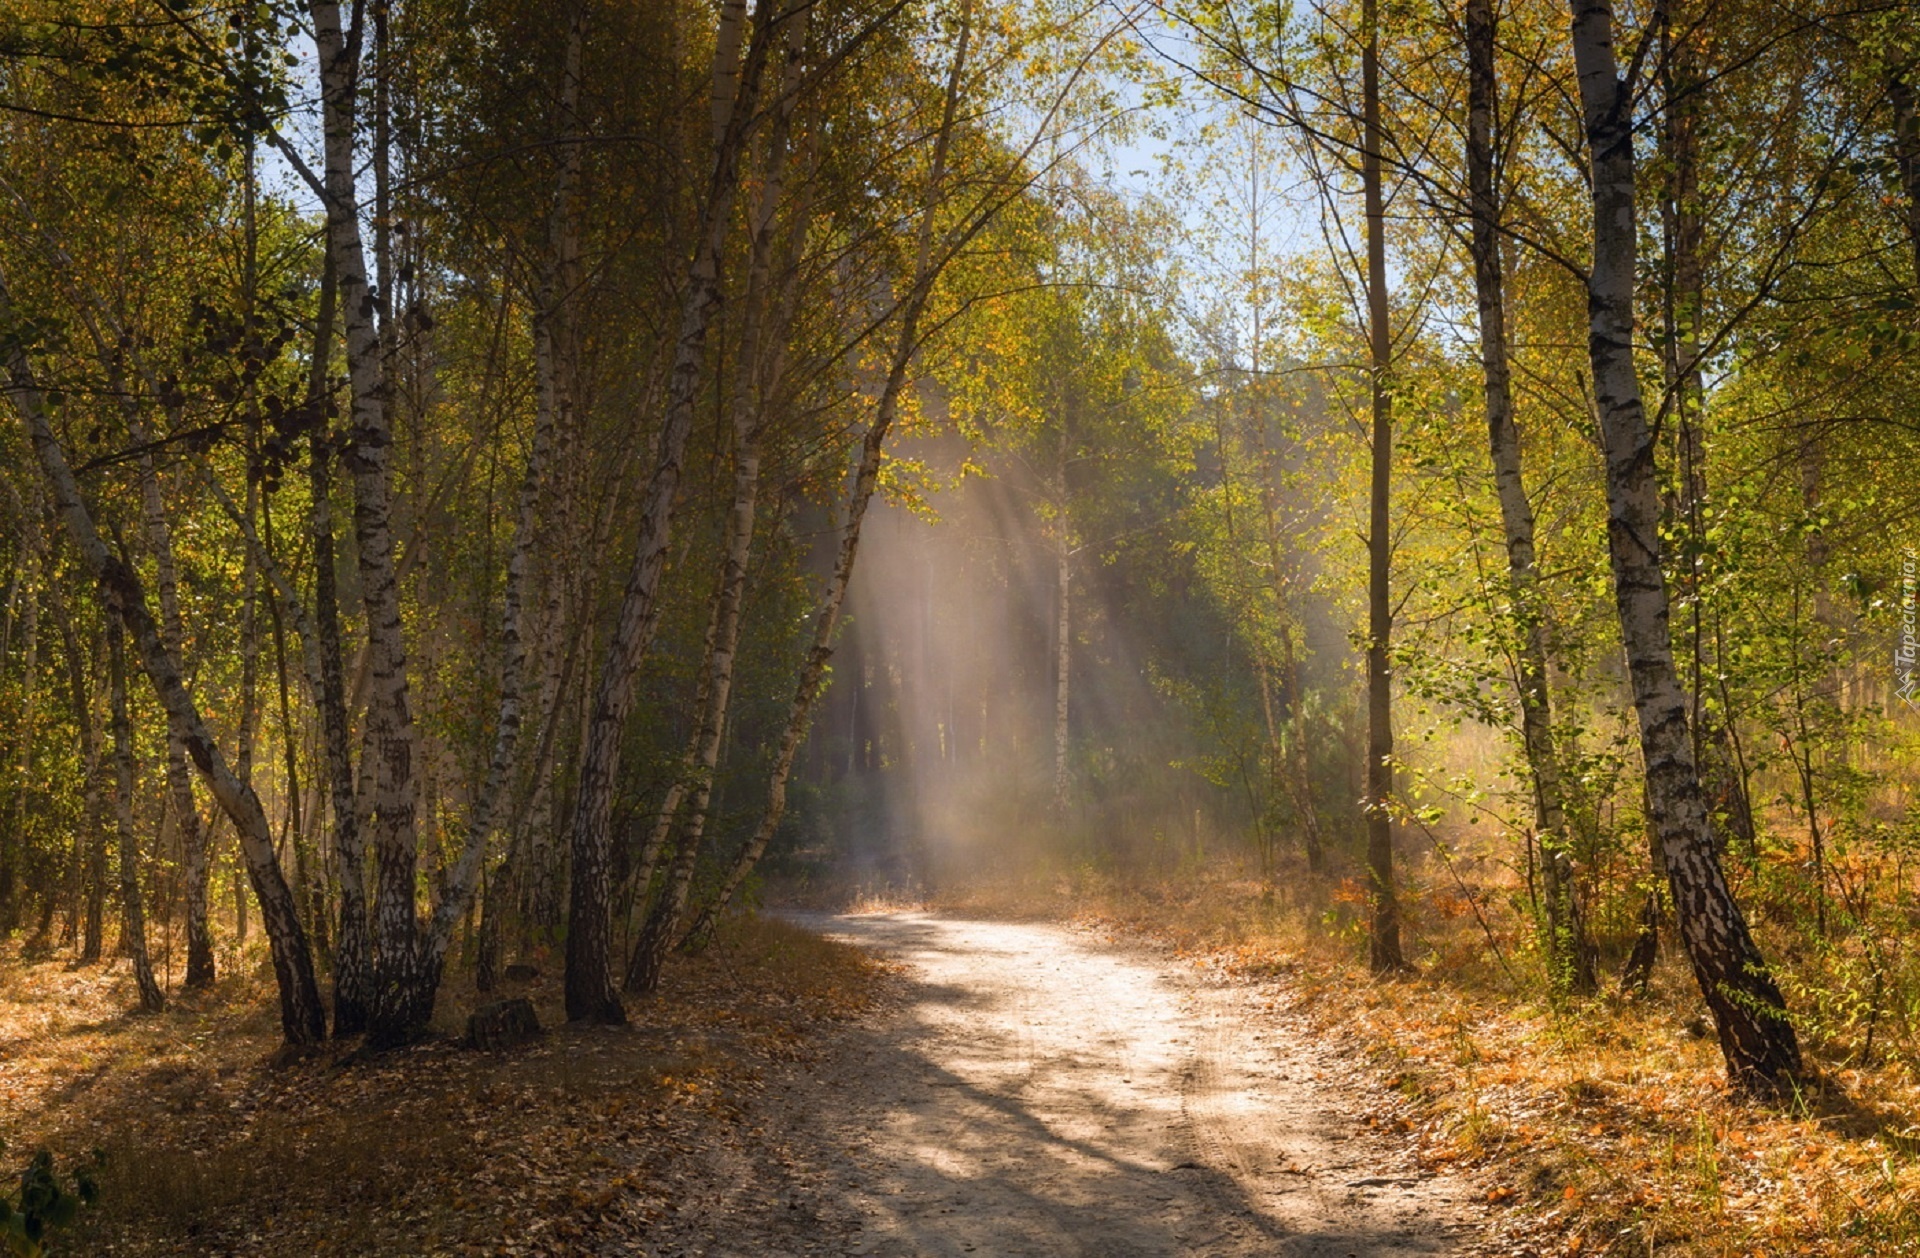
1756 1037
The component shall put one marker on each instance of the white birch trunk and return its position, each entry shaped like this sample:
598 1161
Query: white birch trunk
1570 957
590 994
402 999
866 477
302 1018
1756 1038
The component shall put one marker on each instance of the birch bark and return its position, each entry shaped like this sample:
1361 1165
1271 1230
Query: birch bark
866 476
590 994
401 998
1756 1037
302 1017
551 415
353 952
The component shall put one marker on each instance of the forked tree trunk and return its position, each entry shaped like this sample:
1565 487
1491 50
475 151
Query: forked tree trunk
90 839
402 995
1756 1037
1569 955
133 917
866 477
723 640
302 1017
552 413
765 326
590 994
1383 932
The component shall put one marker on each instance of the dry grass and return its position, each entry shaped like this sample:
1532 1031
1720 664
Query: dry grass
1606 1122
568 1144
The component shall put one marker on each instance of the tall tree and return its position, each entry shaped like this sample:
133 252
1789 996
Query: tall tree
1756 1037
1383 928
590 990
1568 951
133 915
302 1016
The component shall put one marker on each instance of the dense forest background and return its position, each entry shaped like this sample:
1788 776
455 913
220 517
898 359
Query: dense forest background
494 480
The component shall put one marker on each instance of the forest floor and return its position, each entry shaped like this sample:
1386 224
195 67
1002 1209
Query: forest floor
1597 1126
587 1141
951 1086
1174 1068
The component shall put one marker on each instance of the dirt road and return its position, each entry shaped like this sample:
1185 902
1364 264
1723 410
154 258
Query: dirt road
1040 1092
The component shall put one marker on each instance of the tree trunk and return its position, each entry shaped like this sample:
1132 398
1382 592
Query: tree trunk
193 836
402 994
353 953
723 641
307 880
1755 1036
866 477
20 748
1301 765
1384 913
590 993
15 831
302 1017
90 839
134 920
765 327
1062 634
552 414
1569 955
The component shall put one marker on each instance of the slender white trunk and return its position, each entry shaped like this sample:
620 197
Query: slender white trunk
1570 957
866 477
302 1018
1755 1036
590 993
401 999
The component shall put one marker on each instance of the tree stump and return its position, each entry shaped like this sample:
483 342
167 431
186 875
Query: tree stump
502 1024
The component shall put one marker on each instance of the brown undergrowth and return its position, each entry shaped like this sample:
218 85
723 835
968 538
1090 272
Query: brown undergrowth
1605 1122
573 1143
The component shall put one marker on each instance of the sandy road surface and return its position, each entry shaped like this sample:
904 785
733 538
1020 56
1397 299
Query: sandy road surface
1041 1092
